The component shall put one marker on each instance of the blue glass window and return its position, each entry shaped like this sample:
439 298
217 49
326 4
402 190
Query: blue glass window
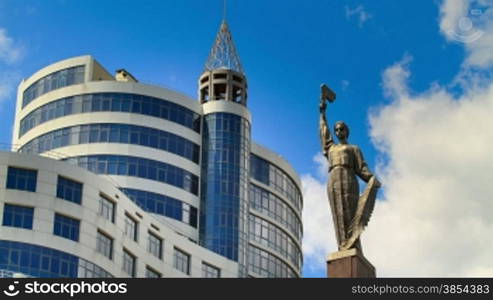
273 237
18 216
69 190
163 205
113 133
116 102
224 185
271 205
53 81
66 227
269 174
21 179
173 175
37 261
267 265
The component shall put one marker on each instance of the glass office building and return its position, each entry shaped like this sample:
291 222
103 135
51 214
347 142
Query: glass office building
110 177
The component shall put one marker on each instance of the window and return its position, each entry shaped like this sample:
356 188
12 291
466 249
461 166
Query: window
129 263
36 261
271 236
273 206
209 271
140 167
69 190
66 227
271 175
105 101
268 265
131 227
181 261
53 81
21 179
150 273
87 269
18 216
104 245
163 205
107 208
155 245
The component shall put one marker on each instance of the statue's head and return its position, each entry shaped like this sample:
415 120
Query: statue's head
341 130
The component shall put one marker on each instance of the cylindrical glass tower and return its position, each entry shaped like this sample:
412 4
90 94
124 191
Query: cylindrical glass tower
225 165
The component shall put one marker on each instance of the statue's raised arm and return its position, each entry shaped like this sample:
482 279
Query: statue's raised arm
326 139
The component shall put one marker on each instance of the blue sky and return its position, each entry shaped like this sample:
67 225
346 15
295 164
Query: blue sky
287 50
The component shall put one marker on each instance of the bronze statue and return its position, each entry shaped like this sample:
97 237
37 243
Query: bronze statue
350 211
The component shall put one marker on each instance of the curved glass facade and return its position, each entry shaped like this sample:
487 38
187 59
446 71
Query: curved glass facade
113 133
53 81
273 237
139 167
224 184
250 203
269 204
38 261
269 174
115 102
163 205
266 264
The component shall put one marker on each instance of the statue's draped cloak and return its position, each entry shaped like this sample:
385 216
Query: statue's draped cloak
345 162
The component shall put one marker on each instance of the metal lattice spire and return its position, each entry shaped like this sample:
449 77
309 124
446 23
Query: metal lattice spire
223 53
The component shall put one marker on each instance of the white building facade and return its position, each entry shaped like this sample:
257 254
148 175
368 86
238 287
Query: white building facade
115 178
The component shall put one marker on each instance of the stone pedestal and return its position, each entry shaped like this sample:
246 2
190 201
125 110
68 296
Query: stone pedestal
349 264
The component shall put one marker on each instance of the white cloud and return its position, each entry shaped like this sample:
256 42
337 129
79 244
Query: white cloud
396 78
359 12
8 81
318 230
470 22
9 52
435 218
